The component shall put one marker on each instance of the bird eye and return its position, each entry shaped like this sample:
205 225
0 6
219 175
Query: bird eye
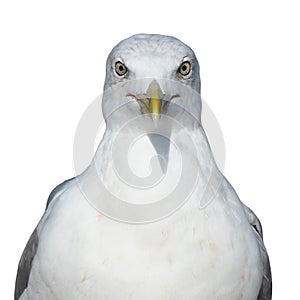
185 68
120 68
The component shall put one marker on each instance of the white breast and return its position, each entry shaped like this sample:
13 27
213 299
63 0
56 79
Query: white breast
194 254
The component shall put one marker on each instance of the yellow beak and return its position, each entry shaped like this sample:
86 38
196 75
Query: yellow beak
154 101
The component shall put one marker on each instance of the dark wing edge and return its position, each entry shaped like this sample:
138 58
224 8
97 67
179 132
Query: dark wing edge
265 292
25 264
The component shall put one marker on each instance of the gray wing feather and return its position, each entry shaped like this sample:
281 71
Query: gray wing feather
30 250
25 264
265 292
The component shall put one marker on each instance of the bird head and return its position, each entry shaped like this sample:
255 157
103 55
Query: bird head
152 89
150 73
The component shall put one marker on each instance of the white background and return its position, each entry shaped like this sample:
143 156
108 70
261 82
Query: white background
52 65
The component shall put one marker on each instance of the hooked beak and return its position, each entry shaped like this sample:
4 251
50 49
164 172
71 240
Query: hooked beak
154 101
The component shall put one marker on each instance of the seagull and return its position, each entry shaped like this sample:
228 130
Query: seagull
152 216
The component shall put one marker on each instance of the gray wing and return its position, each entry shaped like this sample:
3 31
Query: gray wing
30 250
265 292
25 264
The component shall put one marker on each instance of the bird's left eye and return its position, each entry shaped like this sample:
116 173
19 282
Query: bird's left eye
185 68
120 68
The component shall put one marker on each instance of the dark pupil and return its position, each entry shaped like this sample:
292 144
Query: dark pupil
184 67
121 68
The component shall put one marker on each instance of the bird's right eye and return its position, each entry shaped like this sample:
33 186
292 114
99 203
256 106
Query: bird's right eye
120 68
